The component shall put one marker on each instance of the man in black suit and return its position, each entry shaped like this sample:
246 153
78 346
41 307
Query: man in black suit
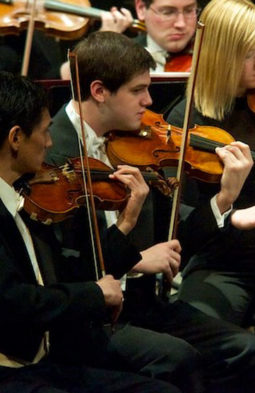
52 337
114 92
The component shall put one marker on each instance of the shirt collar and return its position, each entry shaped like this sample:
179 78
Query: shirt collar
12 200
152 46
92 140
158 54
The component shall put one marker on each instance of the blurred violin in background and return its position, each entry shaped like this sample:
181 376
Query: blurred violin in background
65 20
251 100
179 63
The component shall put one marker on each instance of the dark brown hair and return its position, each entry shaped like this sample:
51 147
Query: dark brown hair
111 58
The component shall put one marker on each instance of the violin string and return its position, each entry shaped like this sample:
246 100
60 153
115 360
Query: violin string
103 174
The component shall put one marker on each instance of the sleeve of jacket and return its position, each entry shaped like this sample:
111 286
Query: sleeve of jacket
22 299
120 254
199 232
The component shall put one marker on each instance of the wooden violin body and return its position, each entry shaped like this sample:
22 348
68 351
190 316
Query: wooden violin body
56 192
65 20
14 17
157 144
179 63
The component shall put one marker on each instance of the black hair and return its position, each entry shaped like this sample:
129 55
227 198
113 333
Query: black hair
21 103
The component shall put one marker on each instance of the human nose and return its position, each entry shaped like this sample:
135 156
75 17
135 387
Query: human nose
147 100
48 141
179 19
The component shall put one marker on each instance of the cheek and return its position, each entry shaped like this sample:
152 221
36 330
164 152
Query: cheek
248 69
192 28
151 23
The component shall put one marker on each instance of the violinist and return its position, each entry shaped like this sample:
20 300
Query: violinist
52 338
115 94
170 26
220 279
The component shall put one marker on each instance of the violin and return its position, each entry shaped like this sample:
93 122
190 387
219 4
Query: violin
179 63
55 193
67 21
90 12
157 145
251 100
15 16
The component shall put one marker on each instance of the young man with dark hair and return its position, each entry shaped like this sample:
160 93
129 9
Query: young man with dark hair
114 78
52 335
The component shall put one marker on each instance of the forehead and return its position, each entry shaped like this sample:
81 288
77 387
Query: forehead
174 3
43 121
142 79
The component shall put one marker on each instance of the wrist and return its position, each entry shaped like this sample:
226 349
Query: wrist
224 202
125 226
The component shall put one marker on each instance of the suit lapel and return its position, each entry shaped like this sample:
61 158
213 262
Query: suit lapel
64 138
14 243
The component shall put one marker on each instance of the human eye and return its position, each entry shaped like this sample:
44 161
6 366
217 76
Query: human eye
138 89
250 55
168 11
189 10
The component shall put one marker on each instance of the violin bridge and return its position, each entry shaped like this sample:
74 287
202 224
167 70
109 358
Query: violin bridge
68 172
145 132
168 133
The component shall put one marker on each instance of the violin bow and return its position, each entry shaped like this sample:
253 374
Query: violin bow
186 123
76 93
29 39
180 168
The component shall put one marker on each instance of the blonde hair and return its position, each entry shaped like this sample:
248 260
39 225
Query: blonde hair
228 37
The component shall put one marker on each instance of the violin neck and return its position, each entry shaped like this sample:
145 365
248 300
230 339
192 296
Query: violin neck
149 176
202 143
55 5
90 12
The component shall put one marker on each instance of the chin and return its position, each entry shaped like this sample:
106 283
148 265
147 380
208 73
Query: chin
132 127
178 47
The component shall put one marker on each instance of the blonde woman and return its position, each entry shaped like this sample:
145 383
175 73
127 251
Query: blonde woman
220 279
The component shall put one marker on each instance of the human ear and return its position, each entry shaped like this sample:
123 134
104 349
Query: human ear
98 90
14 137
140 9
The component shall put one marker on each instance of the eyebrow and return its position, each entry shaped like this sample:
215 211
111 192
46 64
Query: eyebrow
173 7
141 86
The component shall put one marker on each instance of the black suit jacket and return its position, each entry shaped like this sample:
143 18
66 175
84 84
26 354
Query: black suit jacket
27 309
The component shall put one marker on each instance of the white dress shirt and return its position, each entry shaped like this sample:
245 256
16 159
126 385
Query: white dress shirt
158 54
14 203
